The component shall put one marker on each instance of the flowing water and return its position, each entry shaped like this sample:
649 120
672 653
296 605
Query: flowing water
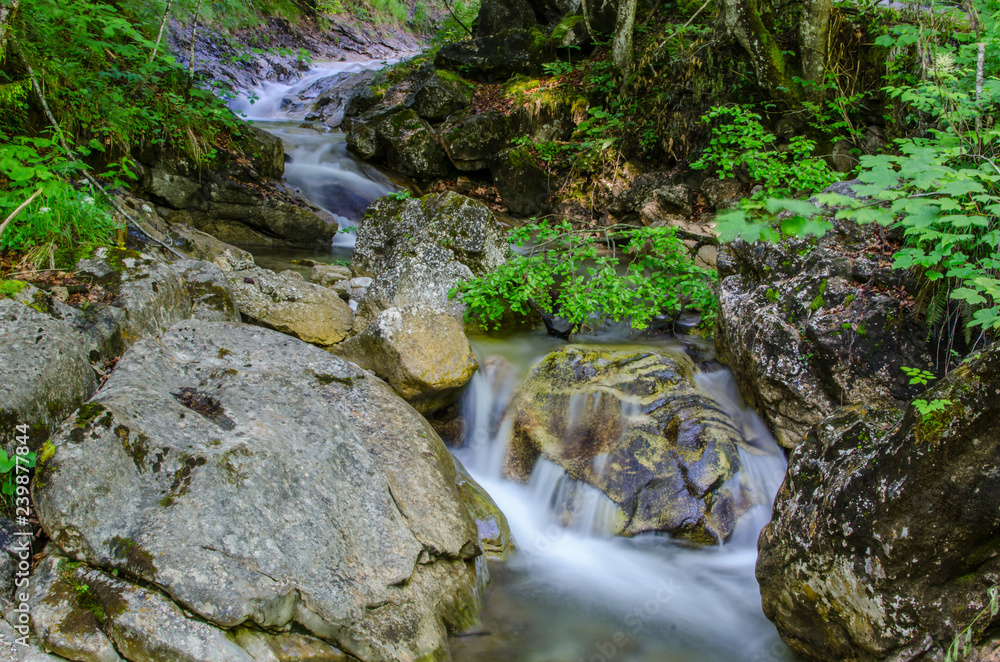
572 592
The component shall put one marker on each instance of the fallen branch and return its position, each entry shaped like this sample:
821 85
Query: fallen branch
90 178
19 210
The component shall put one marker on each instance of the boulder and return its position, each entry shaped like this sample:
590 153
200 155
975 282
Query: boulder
722 193
471 143
494 532
411 146
552 11
45 373
495 56
522 185
496 16
403 139
49 346
323 501
544 114
652 197
630 422
602 15
808 327
883 541
422 353
310 312
325 274
415 250
441 95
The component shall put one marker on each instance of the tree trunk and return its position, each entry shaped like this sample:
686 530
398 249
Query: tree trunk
814 40
743 19
8 8
621 50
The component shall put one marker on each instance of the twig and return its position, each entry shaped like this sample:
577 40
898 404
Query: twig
980 63
19 210
194 30
689 22
69 153
458 20
159 35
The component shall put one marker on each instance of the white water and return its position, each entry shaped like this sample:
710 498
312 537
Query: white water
317 160
572 592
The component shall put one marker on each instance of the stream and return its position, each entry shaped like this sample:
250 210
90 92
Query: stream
571 593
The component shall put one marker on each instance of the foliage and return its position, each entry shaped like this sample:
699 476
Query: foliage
942 188
111 98
8 473
961 647
739 140
591 276
918 376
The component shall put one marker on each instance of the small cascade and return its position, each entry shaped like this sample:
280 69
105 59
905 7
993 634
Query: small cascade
580 593
317 160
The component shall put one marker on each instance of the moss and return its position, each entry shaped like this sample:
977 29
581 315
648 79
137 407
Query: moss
326 379
212 295
564 26
223 353
8 288
138 561
89 414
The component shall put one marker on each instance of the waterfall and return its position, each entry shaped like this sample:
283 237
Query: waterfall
585 595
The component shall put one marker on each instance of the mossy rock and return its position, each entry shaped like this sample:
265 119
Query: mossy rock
630 422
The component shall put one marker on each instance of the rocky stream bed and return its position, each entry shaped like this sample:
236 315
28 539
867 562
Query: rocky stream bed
238 462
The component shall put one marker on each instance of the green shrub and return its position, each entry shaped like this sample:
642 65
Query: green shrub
590 276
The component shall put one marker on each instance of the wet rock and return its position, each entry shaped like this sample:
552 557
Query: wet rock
358 534
630 422
522 185
415 250
809 327
305 310
441 95
404 139
472 142
496 16
883 541
496 56
554 10
494 532
240 199
422 353
651 197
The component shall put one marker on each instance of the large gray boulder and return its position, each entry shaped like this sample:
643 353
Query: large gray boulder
523 186
49 350
883 541
422 353
322 500
441 95
808 327
415 250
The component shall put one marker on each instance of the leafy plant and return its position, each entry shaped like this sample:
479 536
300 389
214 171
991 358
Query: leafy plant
593 275
8 471
961 647
739 140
